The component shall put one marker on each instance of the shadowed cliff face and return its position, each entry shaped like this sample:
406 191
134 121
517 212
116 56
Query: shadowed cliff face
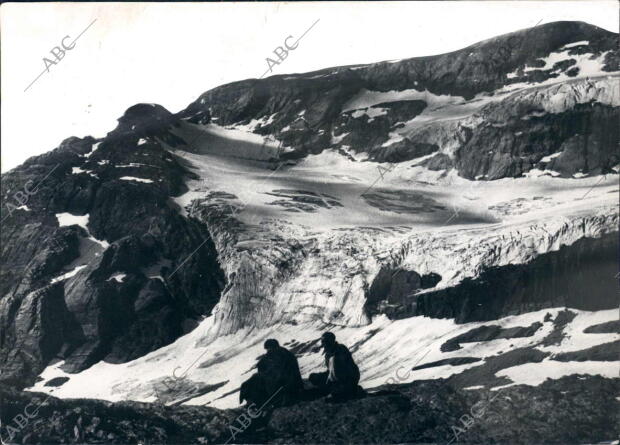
585 138
94 250
391 288
580 276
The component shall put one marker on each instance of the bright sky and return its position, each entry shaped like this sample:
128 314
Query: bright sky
170 53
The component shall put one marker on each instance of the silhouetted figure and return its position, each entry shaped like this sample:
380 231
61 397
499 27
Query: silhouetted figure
342 376
285 369
277 381
254 390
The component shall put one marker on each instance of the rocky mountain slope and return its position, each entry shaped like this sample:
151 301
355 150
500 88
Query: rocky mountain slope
449 217
88 248
457 105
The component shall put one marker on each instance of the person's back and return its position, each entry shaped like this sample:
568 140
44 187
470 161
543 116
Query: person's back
342 376
268 382
270 369
257 389
291 376
286 375
345 369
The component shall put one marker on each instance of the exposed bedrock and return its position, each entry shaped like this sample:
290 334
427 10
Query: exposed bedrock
491 332
391 287
585 139
102 265
580 276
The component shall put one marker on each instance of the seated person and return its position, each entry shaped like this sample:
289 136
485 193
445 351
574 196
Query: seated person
278 379
286 370
342 375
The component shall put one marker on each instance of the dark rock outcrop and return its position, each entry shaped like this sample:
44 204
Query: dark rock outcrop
586 136
487 333
611 327
453 361
560 278
127 276
391 287
605 352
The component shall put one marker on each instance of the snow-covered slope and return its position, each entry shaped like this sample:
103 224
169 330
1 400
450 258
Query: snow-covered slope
308 256
301 245
387 351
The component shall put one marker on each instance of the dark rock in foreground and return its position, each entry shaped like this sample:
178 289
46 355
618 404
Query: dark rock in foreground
575 409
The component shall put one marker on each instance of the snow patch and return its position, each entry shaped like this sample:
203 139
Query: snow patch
119 277
132 164
575 339
537 173
94 148
67 219
102 243
572 45
533 374
337 139
133 178
393 138
370 112
68 274
471 388
78 170
358 157
251 126
386 349
550 157
589 66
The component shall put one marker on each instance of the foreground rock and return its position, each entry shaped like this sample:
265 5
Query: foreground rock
574 409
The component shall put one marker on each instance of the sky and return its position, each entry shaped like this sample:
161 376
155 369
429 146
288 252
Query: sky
170 53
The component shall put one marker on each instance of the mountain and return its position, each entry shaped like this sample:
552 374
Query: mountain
456 106
452 218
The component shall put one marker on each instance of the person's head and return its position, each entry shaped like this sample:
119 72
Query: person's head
328 340
271 344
